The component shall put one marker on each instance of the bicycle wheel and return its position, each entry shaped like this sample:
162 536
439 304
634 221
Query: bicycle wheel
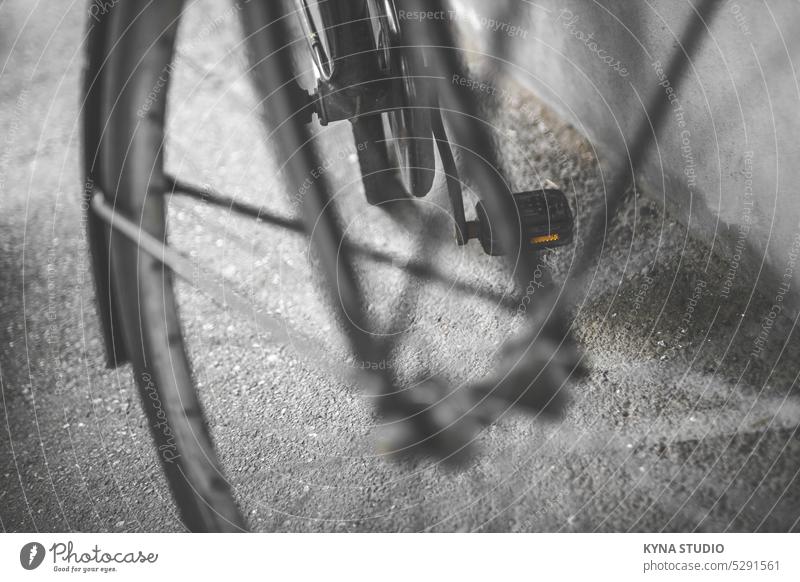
131 48
131 58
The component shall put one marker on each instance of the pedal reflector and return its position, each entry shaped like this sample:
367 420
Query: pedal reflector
547 238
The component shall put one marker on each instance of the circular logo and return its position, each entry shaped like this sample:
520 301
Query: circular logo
31 555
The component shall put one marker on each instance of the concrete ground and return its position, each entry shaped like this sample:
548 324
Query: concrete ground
679 427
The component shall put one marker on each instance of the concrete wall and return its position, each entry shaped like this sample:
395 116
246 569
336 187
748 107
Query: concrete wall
728 161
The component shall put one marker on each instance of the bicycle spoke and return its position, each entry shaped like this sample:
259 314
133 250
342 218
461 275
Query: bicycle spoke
249 210
424 271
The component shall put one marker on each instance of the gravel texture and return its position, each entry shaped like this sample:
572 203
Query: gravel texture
677 428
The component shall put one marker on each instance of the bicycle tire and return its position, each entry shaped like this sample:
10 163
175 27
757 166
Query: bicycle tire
405 134
409 130
137 43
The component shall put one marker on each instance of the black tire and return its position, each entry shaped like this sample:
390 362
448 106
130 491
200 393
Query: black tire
129 92
405 137
409 130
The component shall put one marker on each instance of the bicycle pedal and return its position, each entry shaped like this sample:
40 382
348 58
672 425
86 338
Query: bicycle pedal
547 222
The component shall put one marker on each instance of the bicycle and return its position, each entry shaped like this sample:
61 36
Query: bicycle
385 76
